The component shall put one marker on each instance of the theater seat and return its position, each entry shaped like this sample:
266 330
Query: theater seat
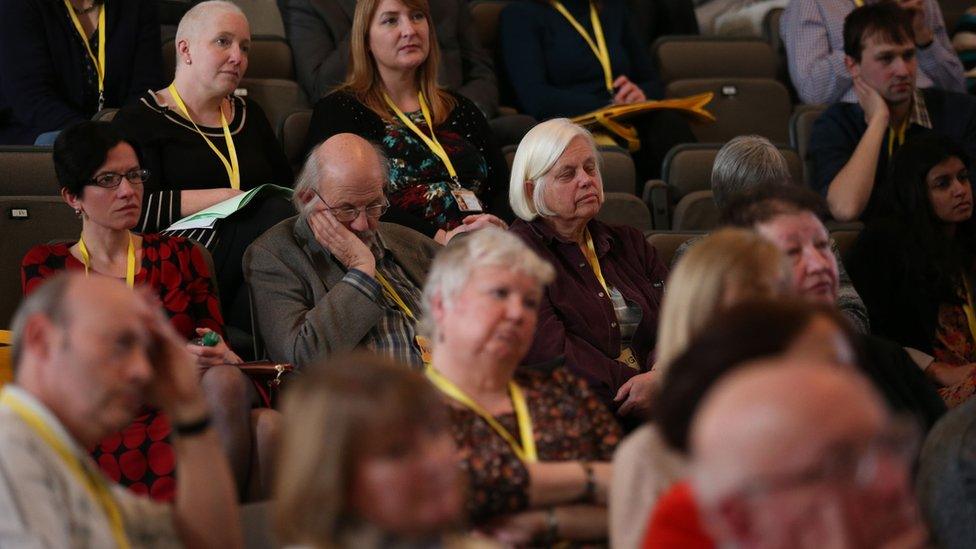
27 170
6 364
760 106
625 209
292 130
696 211
683 57
276 96
667 242
801 126
26 221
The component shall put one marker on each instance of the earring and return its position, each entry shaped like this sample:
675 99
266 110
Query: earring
78 212
187 60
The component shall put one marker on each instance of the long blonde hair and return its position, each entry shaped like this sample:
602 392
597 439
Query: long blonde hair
333 415
363 79
728 259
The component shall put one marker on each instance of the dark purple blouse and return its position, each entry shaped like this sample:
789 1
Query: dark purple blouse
577 318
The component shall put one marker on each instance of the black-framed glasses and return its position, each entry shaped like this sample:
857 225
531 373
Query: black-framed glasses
349 213
110 180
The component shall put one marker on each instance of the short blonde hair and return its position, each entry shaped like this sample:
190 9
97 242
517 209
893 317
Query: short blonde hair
334 415
698 285
538 152
197 19
488 247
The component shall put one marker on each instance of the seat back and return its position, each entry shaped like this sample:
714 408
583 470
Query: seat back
801 126
683 57
292 130
277 97
484 15
27 170
696 211
668 242
269 57
263 17
26 221
844 238
759 106
6 360
625 209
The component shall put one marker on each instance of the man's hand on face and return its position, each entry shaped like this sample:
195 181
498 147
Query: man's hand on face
875 108
920 24
341 242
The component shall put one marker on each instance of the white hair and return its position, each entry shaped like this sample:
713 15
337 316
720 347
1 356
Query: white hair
197 18
536 155
314 171
488 247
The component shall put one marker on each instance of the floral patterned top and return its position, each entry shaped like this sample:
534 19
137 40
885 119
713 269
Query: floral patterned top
420 185
954 345
141 456
569 423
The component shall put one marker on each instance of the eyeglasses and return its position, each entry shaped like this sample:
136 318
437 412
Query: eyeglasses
110 180
347 214
850 466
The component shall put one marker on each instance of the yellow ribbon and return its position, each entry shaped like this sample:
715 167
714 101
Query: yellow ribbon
92 480
899 134
525 450
431 141
594 262
130 264
423 344
599 47
233 169
100 60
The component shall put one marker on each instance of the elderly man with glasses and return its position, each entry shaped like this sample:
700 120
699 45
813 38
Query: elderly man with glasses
334 277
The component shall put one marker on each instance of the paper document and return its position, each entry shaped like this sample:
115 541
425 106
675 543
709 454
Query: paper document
208 217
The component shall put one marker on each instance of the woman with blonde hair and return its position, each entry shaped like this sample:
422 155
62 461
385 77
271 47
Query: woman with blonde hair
366 459
447 174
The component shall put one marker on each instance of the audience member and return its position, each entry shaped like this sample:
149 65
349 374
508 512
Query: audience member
334 277
204 145
367 459
535 443
964 43
101 180
946 471
825 466
915 266
725 268
851 143
750 161
602 311
790 217
64 61
572 57
816 48
750 330
87 353
447 174
320 37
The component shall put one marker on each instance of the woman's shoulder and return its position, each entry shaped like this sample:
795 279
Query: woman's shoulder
47 254
340 99
142 119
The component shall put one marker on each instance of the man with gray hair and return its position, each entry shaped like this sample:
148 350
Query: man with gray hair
826 466
334 277
87 354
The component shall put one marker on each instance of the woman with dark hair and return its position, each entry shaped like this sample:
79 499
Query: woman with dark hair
447 175
62 61
915 267
102 180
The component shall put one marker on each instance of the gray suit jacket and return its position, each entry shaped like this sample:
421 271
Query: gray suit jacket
946 481
302 306
318 31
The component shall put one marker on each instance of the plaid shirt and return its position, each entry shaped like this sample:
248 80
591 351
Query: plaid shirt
813 34
393 335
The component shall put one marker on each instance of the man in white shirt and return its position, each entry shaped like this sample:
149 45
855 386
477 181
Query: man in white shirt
87 353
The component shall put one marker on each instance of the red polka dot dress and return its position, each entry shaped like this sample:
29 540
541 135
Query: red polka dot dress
141 456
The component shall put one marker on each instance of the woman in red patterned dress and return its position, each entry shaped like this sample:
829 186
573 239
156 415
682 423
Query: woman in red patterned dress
101 180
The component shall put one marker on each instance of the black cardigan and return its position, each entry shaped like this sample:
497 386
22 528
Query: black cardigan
48 81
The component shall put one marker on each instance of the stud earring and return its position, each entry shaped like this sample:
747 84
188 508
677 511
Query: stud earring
78 212
187 61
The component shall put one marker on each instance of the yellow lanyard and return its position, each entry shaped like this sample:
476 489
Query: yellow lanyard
423 344
968 309
594 262
130 264
858 3
896 134
599 47
233 170
526 450
431 141
95 484
100 60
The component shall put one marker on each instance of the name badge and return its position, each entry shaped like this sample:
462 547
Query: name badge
467 201
627 358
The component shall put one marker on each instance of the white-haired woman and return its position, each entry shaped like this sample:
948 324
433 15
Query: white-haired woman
203 145
601 312
534 441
